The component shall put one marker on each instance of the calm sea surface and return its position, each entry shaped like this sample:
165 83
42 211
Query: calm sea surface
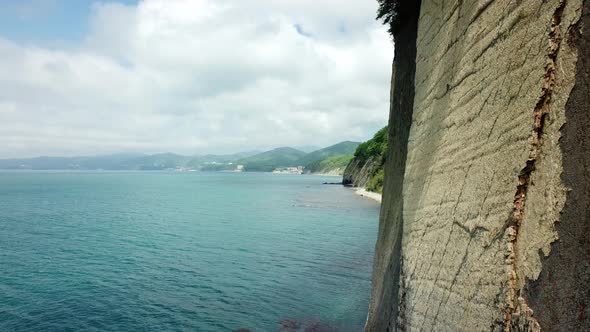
156 251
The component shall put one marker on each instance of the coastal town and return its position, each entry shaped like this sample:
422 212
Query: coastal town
289 170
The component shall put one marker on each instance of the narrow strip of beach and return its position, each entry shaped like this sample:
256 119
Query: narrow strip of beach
368 194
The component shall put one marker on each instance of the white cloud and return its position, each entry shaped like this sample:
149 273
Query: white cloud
196 76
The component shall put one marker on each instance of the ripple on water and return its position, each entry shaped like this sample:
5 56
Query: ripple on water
199 251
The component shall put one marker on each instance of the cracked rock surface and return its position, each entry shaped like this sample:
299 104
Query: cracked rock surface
485 222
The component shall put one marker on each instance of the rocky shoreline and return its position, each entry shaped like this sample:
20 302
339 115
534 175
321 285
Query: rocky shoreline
368 194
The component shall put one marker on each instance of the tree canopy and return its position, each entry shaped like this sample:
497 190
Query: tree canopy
394 12
375 147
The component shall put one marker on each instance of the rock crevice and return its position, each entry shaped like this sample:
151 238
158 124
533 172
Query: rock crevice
447 255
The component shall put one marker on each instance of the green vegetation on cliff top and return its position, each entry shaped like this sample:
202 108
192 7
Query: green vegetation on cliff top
375 147
394 13
373 151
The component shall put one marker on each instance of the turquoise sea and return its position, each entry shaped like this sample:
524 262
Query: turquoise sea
164 251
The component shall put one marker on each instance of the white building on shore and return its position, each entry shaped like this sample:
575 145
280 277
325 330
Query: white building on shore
289 170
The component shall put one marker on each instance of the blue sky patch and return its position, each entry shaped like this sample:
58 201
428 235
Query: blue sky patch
47 21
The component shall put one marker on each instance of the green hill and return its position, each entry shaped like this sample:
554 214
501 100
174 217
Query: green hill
269 160
342 148
333 165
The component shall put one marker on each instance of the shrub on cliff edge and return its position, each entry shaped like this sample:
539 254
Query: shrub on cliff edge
375 147
394 13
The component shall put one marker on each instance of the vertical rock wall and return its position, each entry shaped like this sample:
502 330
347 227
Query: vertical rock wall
485 223
384 305
358 173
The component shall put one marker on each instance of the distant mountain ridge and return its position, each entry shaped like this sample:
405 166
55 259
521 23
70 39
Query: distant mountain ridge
266 161
160 161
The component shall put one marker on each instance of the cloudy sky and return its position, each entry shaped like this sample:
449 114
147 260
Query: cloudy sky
84 77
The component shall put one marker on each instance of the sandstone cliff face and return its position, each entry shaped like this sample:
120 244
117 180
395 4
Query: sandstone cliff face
358 173
485 221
